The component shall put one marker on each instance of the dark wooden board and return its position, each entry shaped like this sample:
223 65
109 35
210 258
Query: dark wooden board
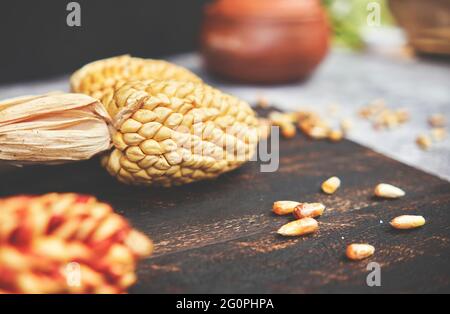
220 236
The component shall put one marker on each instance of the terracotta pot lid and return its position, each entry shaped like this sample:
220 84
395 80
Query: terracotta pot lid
266 9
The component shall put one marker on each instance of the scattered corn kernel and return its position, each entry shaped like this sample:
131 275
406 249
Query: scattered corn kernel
279 118
335 135
288 130
384 117
424 141
439 134
284 207
299 227
437 120
331 185
285 122
388 191
357 252
402 115
407 222
372 108
311 210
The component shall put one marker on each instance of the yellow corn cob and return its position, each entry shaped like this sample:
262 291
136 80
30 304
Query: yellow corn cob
66 243
104 75
171 132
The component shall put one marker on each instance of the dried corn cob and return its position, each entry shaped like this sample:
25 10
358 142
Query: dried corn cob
164 132
104 75
170 132
66 243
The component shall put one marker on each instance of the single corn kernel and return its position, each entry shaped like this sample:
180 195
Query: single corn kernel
424 142
437 120
357 252
307 115
138 243
285 122
279 118
288 130
314 128
408 222
318 132
311 210
299 227
336 135
373 108
389 119
402 115
331 185
284 207
388 191
292 116
439 134
312 124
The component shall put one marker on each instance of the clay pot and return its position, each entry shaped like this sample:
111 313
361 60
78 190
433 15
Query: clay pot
264 41
427 24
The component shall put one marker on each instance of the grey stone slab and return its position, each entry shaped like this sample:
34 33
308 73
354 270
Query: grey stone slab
353 80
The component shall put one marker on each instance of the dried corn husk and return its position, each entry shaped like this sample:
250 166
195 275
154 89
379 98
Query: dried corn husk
52 128
105 75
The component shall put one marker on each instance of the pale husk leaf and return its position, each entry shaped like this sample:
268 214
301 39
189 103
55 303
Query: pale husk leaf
52 128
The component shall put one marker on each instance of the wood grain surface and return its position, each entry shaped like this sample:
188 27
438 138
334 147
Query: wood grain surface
220 236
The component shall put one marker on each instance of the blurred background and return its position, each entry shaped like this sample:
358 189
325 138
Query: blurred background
289 53
37 43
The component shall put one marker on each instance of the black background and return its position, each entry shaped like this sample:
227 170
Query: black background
37 43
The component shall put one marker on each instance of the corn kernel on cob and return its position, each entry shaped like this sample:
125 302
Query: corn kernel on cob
66 243
170 132
99 76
